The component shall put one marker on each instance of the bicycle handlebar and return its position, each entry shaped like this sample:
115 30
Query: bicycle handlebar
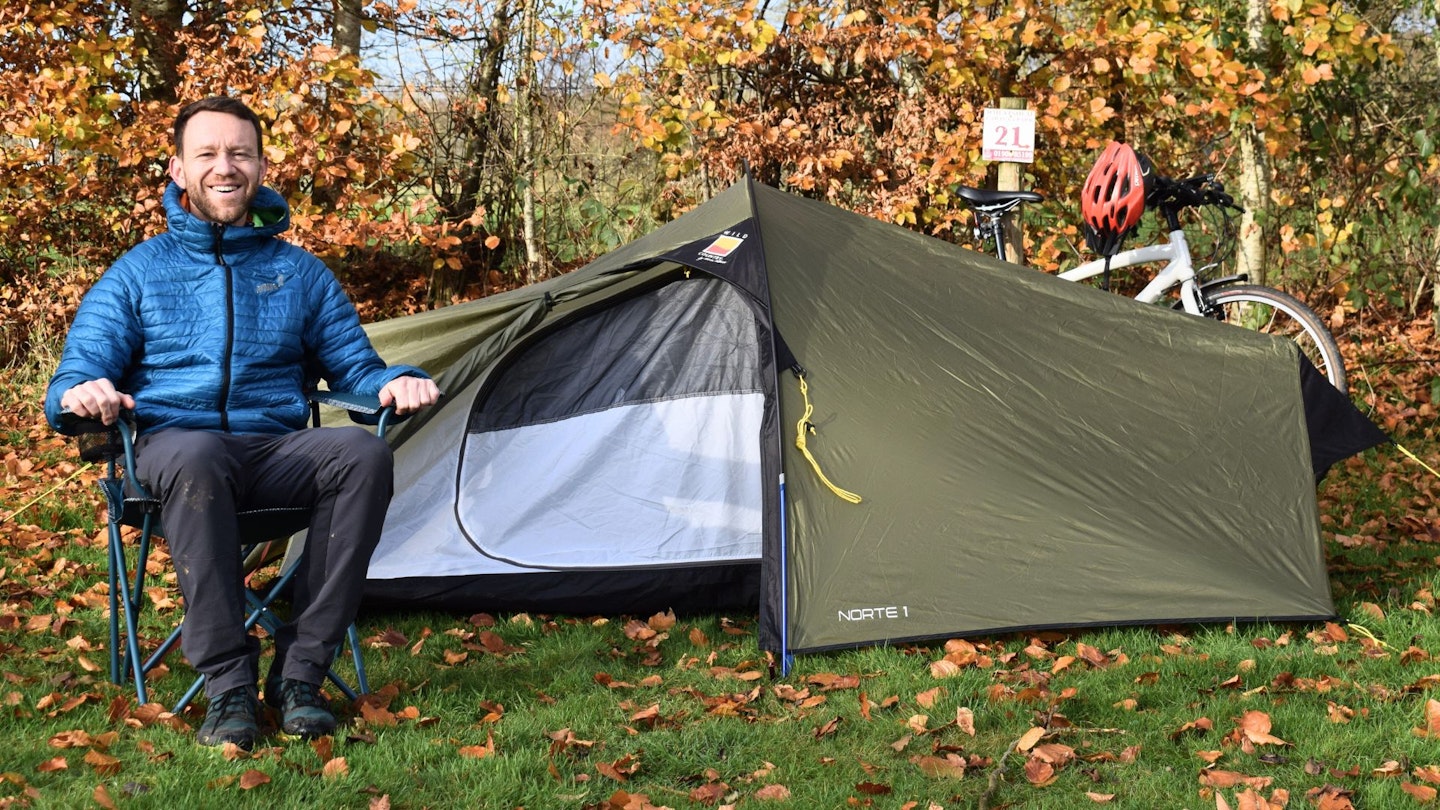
1171 195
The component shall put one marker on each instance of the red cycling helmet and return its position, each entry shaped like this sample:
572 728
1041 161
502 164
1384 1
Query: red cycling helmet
1114 197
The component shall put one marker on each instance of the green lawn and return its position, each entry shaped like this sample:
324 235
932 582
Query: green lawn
683 712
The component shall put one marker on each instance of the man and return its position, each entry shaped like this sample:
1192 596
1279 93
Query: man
211 334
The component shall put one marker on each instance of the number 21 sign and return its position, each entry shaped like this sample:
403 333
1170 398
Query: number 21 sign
1009 135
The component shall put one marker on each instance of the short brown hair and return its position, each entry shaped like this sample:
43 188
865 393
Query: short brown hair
220 104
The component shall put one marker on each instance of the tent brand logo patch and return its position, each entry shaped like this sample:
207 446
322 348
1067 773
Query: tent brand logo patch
725 244
868 614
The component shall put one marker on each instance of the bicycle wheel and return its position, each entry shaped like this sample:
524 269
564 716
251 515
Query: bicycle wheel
1276 313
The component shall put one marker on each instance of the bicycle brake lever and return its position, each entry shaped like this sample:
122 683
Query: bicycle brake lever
1219 197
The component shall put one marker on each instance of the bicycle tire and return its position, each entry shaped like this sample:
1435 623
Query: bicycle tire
1271 311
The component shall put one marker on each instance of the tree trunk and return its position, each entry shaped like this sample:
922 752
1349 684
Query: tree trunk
346 36
525 139
1254 190
1254 197
345 33
156 22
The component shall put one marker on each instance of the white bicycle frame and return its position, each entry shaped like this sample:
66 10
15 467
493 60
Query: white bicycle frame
1178 270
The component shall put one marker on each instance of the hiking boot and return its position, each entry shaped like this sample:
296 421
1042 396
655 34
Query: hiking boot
231 718
304 711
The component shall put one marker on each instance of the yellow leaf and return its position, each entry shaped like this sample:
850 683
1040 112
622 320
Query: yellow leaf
1029 738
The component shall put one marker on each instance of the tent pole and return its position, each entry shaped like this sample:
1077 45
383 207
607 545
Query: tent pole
786 659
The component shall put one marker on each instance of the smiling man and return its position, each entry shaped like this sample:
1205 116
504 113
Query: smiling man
222 168
212 334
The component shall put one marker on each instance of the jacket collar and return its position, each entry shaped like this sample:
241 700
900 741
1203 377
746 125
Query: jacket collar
269 217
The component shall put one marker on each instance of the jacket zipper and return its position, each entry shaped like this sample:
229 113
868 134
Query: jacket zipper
224 399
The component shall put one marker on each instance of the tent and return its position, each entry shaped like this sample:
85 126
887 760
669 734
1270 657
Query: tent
1027 452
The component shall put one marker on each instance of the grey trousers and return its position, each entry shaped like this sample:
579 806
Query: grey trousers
343 474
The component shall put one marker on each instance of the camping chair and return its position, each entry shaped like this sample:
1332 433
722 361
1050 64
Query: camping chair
264 532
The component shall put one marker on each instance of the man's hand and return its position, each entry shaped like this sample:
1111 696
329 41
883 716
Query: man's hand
96 399
409 394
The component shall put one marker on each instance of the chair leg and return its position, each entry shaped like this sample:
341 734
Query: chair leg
127 603
189 695
361 682
261 614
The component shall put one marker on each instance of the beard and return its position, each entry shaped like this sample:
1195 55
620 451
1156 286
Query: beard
228 209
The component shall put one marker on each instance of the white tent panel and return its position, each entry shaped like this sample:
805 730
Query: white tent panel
674 482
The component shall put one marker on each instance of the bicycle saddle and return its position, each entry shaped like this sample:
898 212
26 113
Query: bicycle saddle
985 197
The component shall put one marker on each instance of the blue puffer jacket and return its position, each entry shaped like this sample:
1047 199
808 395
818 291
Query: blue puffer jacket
216 327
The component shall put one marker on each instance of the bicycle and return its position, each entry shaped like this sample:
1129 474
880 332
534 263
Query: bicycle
1227 298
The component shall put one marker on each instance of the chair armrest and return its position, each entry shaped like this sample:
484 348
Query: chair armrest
354 403
97 441
74 425
363 408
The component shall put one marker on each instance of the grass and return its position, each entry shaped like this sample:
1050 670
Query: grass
632 712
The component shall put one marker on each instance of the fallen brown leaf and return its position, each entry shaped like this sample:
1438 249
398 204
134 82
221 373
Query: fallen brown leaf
773 793
1420 793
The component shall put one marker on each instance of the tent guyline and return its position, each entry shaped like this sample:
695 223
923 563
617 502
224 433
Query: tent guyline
614 441
806 426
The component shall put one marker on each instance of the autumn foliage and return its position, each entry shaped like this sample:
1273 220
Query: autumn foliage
412 192
878 107
84 163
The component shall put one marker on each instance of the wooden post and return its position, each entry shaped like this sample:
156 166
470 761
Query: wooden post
1008 178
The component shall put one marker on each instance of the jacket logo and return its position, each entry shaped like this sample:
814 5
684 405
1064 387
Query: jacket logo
271 286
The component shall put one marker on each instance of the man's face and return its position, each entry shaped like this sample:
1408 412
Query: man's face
221 166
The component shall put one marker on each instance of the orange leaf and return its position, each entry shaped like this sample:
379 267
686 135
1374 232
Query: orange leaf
1420 793
828 729
1429 773
104 764
950 766
1225 779
252 779
773 793
1338 713
1092 656
1255 725
1039 773
1053 753
1203 724
1432 720
1389 767
965 720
